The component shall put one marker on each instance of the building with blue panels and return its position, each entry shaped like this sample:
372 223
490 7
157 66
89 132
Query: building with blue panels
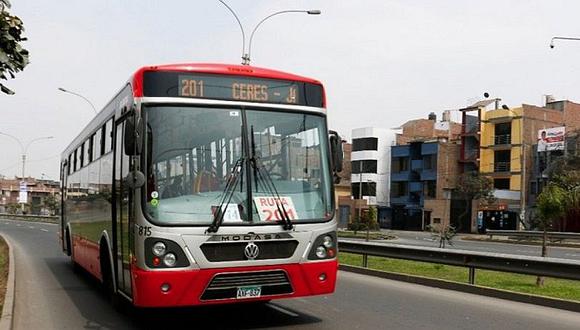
423 176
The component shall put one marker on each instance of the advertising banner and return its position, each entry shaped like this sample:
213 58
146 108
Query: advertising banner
551 139
23 196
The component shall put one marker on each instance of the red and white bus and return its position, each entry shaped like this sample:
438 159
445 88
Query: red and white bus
202 184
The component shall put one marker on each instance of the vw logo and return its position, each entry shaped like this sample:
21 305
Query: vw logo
251 251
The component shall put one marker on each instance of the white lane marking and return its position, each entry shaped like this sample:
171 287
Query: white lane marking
282 310
44 230
31 227
6 223
18 225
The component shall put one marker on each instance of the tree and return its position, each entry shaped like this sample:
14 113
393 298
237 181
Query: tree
473 186
13 57
443 234
51 203
551 205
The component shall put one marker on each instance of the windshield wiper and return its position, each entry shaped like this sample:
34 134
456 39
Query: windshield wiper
260 172
228 193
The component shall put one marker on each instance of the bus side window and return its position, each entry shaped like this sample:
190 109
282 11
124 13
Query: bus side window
97 145
76 160
69 165
108 136
90 149
81 156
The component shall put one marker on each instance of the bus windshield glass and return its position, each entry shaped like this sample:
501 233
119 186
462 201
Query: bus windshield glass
272 159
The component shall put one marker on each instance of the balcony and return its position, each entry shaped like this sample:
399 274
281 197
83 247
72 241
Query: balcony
400 199
400 176
502 167
416 186
416 164
502 139
506 194
428 175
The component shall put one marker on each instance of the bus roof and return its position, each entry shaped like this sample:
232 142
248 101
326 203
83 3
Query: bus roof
216 68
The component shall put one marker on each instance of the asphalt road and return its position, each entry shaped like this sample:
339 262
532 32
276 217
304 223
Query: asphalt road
424 239
50 296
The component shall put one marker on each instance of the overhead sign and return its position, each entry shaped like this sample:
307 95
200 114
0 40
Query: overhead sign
551 139
23 196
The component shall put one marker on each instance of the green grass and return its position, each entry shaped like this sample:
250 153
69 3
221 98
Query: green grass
555 288
3 270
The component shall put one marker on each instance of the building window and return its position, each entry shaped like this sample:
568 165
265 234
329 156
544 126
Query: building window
368 189
503 133
399 189
501 184
368 166
502 161
400 164
430 188
430 162
365 144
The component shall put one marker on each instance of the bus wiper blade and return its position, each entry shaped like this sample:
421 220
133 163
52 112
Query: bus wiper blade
261 174
228 193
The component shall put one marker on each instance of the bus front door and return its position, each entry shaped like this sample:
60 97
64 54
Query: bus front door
123 214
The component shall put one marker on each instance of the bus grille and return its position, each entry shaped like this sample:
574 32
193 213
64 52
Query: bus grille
219 252
225 286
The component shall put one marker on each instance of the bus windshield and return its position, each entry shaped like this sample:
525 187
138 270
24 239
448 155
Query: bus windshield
193 152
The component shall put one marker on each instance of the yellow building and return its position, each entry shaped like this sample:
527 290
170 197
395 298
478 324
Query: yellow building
502 147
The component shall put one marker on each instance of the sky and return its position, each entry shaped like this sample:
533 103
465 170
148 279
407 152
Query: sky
382 62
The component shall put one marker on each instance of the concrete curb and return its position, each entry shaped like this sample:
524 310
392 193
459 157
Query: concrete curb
8 309
474 289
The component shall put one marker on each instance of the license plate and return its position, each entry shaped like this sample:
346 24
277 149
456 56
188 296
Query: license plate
249 292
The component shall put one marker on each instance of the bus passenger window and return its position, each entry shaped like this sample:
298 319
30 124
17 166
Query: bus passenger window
97 145
108 136
87 152
69 165
76 161
90 141
81 156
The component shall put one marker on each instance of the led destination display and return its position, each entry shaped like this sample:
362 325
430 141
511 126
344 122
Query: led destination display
231 88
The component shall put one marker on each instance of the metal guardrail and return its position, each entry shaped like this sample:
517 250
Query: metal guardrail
43 218
552 235
550 267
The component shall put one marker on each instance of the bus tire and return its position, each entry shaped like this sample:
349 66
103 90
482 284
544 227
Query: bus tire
108 279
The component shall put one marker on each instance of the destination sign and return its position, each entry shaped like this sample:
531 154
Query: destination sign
231 88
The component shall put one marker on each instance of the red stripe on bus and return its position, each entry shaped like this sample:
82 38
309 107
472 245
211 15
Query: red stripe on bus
86 254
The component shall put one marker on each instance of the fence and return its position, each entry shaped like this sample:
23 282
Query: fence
552 235
550 267
41 218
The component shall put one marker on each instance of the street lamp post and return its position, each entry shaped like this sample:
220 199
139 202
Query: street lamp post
79 95
246 56
24 150
562 38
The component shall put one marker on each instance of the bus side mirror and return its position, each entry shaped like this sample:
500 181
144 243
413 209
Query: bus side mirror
336 152
133 133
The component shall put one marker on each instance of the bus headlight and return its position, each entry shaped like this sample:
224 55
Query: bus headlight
164 253
169 260
159 249
327 241
321 252
324 247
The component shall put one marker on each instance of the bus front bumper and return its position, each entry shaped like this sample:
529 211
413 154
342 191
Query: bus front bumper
187 287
